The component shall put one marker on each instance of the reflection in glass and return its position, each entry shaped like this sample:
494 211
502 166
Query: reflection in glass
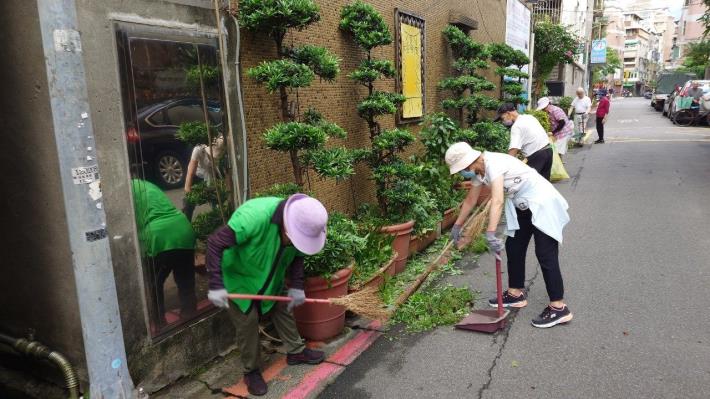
173 114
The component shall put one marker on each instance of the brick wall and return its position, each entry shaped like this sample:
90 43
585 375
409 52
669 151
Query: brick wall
338 100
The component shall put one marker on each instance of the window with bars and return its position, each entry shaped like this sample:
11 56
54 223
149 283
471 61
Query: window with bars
551 9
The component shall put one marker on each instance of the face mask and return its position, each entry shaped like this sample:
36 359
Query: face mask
507 123
467 174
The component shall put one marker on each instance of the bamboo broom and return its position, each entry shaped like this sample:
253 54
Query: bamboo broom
365 302
473 224
472 229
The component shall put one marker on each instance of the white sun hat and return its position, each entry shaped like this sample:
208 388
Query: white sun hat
542 103
459 156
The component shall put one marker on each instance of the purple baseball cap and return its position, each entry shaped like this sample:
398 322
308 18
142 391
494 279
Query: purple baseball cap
305 219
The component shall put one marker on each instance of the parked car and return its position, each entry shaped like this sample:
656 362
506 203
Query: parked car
667 103
647 94
666 83
674 107
153 142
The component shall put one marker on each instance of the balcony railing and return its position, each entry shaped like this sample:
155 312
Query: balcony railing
551 9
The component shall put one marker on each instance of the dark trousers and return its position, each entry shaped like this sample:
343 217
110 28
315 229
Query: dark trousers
541 161
180 262
247 326
546 250
600 128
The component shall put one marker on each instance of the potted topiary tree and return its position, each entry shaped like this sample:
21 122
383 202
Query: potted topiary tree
401 200
467 86
510 69
302 137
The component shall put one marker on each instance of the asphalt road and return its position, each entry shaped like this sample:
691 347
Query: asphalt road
636 263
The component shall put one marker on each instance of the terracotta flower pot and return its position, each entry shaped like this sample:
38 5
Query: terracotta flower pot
401 233
377 279
428 238
450 216
319 322
414 242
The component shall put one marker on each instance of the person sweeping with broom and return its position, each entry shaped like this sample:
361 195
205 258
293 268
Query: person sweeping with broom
533 207
264 240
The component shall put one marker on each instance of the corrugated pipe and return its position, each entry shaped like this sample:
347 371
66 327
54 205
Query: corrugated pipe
40 351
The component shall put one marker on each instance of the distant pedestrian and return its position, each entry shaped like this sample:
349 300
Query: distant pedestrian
581 106
527 136
695 93
602 112
611 93
562 128
532 207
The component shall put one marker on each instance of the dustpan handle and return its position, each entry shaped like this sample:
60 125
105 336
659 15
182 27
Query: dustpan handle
499 284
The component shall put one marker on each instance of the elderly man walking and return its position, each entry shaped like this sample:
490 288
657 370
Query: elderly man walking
582 106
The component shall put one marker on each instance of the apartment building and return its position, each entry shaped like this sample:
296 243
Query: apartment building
577 15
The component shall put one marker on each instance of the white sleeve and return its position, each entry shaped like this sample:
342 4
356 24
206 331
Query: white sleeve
196 153
516 138
495 168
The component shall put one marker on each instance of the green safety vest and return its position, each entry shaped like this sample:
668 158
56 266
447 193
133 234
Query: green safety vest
258 262
161 227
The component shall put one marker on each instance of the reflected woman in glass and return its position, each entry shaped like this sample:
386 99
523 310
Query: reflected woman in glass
168 242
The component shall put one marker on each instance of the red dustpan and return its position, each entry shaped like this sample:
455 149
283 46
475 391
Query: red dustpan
488 321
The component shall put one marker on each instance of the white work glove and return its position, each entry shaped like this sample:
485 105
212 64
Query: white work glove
456 234
495 244
219 298
298 298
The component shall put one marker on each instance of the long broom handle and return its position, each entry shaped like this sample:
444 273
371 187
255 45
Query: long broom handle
275 298
499 285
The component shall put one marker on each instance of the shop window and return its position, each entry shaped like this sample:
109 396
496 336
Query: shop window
170 82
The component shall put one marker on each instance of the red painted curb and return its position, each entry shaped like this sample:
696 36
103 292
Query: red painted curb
336 363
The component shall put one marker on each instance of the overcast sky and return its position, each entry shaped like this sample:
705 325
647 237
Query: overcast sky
674 5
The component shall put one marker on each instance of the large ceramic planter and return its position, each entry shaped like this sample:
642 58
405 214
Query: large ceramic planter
420 243
401 233
377 279
319 322
450 216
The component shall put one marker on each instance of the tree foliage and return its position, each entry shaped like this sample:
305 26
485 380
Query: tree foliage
613 62
697 58
467 85
510 69
297 67
554 44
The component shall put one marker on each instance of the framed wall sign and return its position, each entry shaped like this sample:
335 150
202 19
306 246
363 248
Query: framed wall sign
410 39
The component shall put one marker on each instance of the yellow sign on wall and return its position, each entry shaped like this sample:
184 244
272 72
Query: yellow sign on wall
412 71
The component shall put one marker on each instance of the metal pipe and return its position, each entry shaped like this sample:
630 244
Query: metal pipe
40 351
240 98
